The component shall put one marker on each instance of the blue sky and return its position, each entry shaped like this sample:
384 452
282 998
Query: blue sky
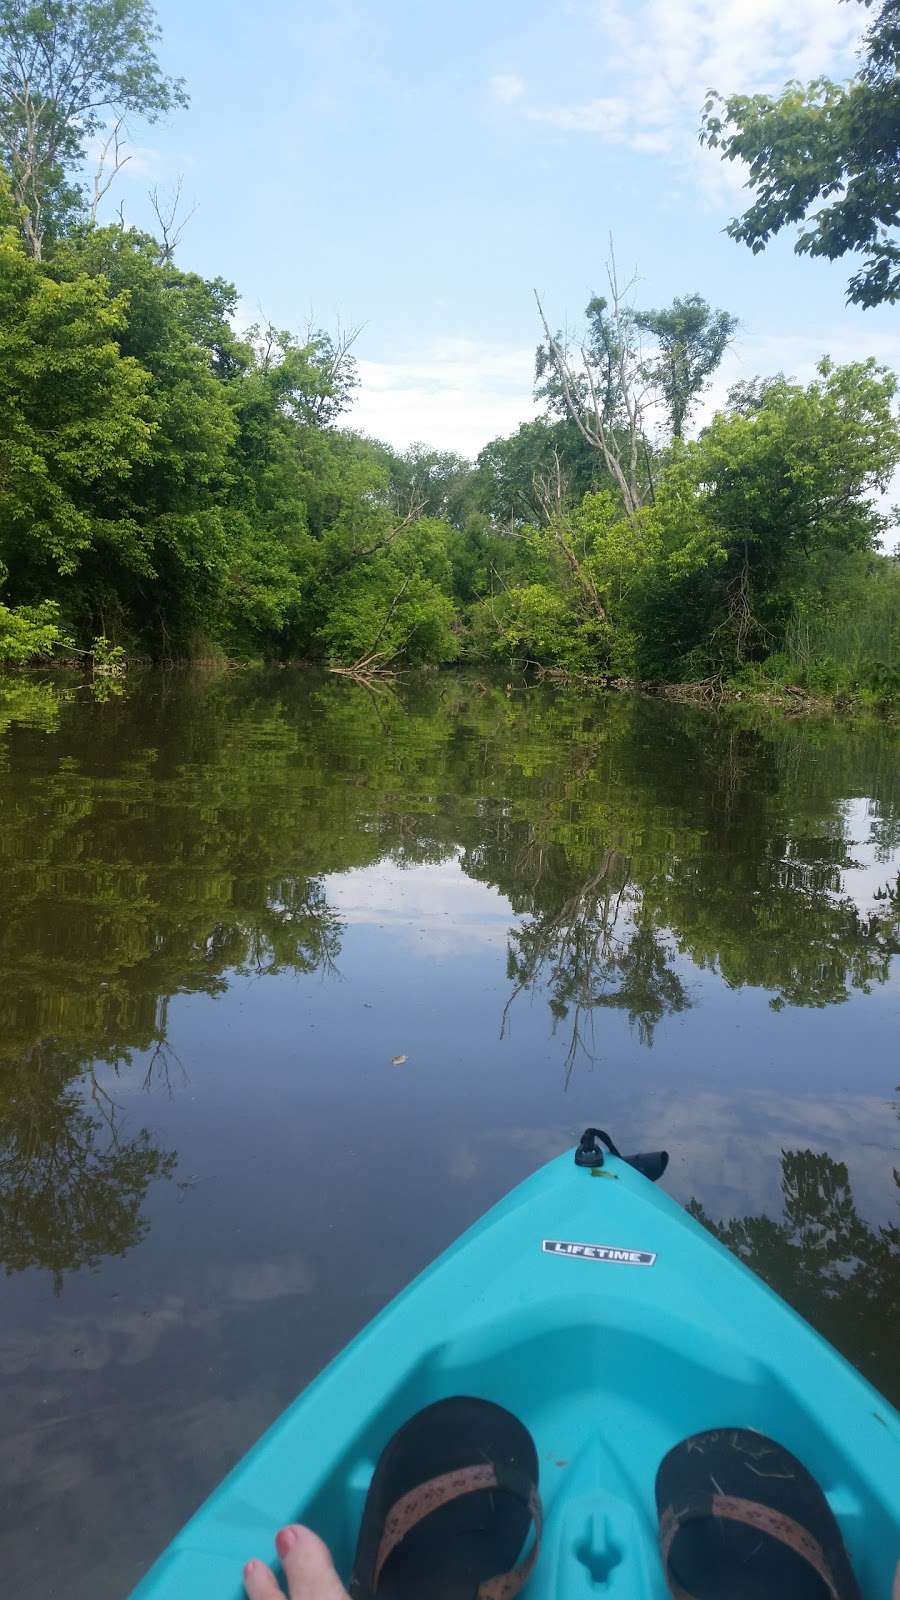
419 168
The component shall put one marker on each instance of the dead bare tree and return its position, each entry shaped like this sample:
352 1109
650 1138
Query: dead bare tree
740 625
607 393
550 489
340 344
25 161
109 162
171 227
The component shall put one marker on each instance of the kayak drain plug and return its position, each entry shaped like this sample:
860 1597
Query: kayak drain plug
652 1164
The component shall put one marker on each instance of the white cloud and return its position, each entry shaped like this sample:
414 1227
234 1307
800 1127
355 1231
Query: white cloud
507 87
656 59
436 907
609 117
140 162
456 394
797 354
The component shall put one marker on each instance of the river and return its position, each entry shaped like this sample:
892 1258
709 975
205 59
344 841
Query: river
298 977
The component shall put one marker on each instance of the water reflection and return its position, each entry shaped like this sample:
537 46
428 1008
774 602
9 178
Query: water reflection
596 950
71 1185
190 830
838 1270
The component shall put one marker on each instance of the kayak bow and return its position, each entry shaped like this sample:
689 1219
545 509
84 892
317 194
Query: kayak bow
608 1320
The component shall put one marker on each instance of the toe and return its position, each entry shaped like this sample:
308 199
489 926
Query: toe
260 1582
308 1566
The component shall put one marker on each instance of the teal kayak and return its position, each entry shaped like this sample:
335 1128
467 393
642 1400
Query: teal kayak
594 1308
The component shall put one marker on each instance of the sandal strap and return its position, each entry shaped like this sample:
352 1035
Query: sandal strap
413 1507
753 1514
509 1583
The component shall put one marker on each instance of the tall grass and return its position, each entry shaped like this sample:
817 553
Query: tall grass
849 636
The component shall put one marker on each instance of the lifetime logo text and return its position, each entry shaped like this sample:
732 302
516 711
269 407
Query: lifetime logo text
599 1252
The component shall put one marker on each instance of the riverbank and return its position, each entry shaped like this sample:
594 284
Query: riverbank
108 678
718 691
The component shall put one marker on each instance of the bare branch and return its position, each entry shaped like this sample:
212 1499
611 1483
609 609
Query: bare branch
610 420
171 229
110 163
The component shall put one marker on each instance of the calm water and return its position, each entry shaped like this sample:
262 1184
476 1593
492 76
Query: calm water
228 903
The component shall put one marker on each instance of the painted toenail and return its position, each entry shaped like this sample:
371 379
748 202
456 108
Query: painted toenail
285 1540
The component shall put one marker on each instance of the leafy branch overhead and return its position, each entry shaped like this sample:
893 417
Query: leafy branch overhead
825 157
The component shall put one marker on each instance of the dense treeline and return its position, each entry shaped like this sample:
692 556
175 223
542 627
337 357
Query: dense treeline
173 488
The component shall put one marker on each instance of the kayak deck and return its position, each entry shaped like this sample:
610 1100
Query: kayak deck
613 1325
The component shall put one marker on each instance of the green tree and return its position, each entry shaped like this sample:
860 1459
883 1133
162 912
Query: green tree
534 624
601 387
827 157
508 470
690 340
66 66
160 568
393 605
76 423
744 514
312 379
608 387
434 483
28 633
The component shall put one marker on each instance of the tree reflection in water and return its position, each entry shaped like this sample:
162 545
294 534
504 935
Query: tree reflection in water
595 951
186 831
71 1186
842 1274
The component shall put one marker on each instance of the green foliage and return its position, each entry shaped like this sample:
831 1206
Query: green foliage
75 420
169 525
691 340
433 483
844 636
746 515
508 470
607 397
172 487
66 66
28 633
825 156
394 606
533 623
106 657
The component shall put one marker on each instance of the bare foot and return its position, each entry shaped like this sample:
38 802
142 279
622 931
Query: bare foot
308 1568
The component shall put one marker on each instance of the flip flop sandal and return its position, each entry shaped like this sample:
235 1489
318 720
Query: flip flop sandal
449 1507
742 1519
